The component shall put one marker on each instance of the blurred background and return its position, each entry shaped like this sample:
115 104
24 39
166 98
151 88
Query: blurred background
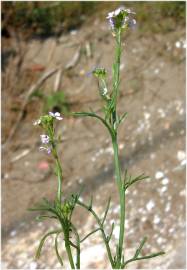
48 48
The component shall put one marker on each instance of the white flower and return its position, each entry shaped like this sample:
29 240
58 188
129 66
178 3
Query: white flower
116 12
56 115
120 18
37 122
44 138
47 149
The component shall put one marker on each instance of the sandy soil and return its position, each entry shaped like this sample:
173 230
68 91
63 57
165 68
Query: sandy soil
151 140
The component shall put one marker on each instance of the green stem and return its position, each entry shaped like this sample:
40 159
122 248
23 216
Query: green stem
116 75
78 246
122 201
66 230
116 82
68 249
144 257
102 231
58 165
59 175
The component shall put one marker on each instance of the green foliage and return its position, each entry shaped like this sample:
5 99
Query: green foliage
55 101
47 18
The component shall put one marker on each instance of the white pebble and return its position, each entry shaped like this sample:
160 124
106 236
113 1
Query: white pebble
13 233
121 146
177 44
182 193
152 156
33 265
93 159
163 189
80 180
122 66
150 205
181 111
171 230
181 155
160 240
168 207
159 175
165 181
157 70
146 115
116 209
109 150
161 112
156 220
143 219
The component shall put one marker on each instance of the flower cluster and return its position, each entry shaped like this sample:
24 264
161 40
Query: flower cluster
56 115
101 73
46 122
121 18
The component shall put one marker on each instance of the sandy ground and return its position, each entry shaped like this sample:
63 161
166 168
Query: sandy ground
151 140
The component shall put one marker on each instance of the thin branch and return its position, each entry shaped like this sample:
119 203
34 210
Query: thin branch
138 251
98 229
144 257
106 211
56 249
38 252
102 231
110 235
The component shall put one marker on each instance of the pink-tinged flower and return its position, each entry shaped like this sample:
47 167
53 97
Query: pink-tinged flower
37 122
47 149
120 18
56 115
44 138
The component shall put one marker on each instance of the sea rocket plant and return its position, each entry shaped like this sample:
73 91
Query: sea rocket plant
62 208
121 18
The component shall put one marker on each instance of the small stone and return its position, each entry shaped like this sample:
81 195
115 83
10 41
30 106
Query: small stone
161 112
93 159
122 66
13 233
163 189
168 207
159 175
152 156
177 44
146 115
157 70
181 155
80 180
116 209
33 265
165 181
160 240
156 220
182 193
150 205
121 146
